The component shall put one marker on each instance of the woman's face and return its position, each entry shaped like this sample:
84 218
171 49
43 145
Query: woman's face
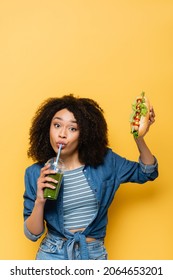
64 130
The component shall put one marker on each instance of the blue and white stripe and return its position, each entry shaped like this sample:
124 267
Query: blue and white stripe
79 202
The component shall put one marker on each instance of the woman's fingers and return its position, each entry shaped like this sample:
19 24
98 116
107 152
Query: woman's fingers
152 115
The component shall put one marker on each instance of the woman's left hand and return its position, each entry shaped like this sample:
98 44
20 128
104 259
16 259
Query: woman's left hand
150 121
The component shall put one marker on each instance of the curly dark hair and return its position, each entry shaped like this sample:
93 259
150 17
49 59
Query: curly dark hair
93 140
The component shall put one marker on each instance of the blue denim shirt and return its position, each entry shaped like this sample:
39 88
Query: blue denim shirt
104 181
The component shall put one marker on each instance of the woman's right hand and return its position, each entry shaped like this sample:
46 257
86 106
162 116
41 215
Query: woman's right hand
44 181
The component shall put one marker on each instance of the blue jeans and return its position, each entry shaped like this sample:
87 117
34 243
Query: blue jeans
53 248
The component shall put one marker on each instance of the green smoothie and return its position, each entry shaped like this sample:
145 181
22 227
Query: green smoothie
50 193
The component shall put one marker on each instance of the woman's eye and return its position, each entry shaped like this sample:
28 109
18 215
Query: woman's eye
73 129
56 125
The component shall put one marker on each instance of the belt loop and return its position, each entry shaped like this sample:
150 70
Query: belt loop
60 243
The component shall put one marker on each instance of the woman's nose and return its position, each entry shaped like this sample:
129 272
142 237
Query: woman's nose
62 132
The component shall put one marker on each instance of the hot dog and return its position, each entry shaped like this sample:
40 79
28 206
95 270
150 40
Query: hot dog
140 115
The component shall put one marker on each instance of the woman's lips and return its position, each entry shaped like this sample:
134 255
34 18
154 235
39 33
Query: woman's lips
62 145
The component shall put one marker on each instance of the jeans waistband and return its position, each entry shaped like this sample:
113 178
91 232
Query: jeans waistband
71 241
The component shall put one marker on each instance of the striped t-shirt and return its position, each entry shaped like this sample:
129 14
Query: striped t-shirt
79 202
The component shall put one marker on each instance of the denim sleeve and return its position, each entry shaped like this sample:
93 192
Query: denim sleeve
30 235
136 172
148 168
31 175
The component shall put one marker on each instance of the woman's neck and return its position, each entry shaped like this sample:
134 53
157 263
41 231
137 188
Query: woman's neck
71 163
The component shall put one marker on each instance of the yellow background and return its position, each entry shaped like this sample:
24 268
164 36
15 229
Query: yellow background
108 50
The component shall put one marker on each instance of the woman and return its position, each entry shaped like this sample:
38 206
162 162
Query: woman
76 222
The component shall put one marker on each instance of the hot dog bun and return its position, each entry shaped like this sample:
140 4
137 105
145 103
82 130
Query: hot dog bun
140 115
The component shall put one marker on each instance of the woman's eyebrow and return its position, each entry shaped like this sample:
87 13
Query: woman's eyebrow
61 119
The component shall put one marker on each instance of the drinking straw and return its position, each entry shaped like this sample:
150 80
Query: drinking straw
57 158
